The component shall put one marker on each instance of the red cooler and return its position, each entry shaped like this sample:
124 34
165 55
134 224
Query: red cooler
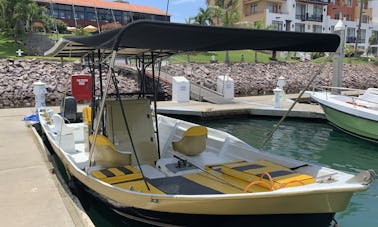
81 87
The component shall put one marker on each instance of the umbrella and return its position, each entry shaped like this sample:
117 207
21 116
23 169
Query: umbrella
90 28
71 29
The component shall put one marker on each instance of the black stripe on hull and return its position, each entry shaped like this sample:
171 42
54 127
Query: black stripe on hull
176 219
272 220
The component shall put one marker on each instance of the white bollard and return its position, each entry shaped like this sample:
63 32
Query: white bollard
39 91
277 97
180 89
225 86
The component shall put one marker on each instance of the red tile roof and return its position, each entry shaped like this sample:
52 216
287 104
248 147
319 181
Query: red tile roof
109 5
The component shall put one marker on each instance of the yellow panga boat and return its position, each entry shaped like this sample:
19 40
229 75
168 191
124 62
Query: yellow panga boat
166 171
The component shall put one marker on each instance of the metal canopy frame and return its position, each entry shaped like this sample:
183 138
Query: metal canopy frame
150 41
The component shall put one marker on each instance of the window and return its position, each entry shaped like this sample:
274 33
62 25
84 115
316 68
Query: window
273 7
318 10
278 25
317 14
351 35
348 17
79 15
253 8
300 12
299 27
362 37
90 16
348 2
365 19
317 28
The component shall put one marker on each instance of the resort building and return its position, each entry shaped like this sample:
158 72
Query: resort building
81 13
315 16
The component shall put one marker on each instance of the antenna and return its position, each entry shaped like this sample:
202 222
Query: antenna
166 11
74 13
98 24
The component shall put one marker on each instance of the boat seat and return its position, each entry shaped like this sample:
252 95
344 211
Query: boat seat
107 155
64 135
60 125
269 175
193 141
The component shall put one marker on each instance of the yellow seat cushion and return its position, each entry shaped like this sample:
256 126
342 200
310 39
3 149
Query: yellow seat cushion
261 170
196 131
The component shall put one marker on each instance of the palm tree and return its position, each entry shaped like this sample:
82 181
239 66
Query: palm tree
13 15
203 17
34 13
216 14
227 11
189 20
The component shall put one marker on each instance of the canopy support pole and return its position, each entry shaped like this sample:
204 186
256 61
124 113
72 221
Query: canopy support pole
155 104
100 113
90 59
99 56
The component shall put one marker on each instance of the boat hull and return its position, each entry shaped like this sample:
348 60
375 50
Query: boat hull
353 124
323 201
177 219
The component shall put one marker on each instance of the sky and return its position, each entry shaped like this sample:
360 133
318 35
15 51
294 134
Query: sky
178 9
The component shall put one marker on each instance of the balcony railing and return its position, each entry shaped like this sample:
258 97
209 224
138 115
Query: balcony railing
325 2
352 39
306 17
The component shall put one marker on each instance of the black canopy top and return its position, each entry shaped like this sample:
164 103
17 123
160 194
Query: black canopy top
144 37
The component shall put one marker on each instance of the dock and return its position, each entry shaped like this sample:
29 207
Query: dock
250 105
32 195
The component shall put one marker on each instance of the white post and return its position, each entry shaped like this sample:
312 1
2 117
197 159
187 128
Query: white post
338 58
277 97
39 91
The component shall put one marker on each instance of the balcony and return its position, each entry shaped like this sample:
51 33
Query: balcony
321 2
251 1
306 17
352 39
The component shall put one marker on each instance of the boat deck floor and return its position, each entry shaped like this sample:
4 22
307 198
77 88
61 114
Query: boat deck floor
227 178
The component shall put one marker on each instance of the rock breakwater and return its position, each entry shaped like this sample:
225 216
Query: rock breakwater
261 78
17 78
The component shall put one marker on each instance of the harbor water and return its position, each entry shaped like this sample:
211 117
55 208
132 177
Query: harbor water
312 141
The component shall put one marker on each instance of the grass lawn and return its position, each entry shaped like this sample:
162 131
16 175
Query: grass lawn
352 60
56 37
8 48
235 56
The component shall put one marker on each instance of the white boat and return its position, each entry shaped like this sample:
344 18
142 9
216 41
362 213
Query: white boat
165 171
355 115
